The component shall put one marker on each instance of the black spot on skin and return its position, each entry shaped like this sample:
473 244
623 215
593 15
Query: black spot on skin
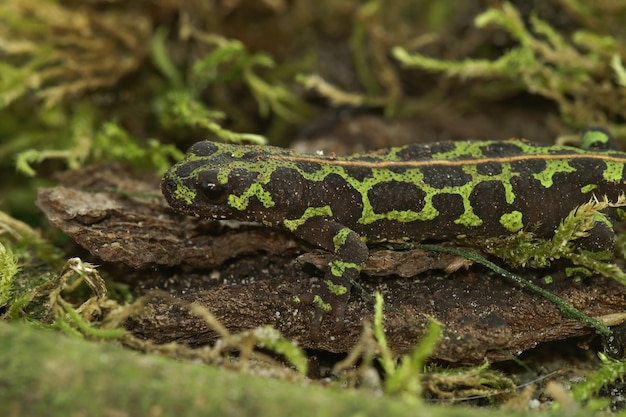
500 149
543 208
388 196
528 166
359 173
489 168
309 167
420 152
450 207
445 176
185 170
489 204
204 148
601 238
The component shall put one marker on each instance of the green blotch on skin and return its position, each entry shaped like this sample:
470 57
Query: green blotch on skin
552 167
185 193
240 152
404 216
473 149
256 190
429 212
593 137
297 299
318 302
222 176
338 268
512 221
336 289
613 171
588 188
265 165
469 219
378 176
548 279
509 194
310 212
339 240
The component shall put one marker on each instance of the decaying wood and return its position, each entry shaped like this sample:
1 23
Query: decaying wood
249 276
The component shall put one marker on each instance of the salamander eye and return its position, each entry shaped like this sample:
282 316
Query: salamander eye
215 193
211 189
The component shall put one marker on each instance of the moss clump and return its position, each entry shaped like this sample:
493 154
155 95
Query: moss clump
581 74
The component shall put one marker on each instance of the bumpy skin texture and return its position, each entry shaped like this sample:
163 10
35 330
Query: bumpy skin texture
416 192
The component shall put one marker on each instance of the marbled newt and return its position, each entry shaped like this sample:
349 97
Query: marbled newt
441 191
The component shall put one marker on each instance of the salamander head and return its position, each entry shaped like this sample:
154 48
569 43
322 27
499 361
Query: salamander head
219 181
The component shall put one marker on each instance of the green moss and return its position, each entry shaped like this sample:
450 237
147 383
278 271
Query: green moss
8 270
406 376
54 369
525 249
41 38
570 72
182 108
89 140
610 372
207 84
403 376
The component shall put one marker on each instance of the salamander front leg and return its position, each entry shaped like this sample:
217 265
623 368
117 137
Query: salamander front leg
349 255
